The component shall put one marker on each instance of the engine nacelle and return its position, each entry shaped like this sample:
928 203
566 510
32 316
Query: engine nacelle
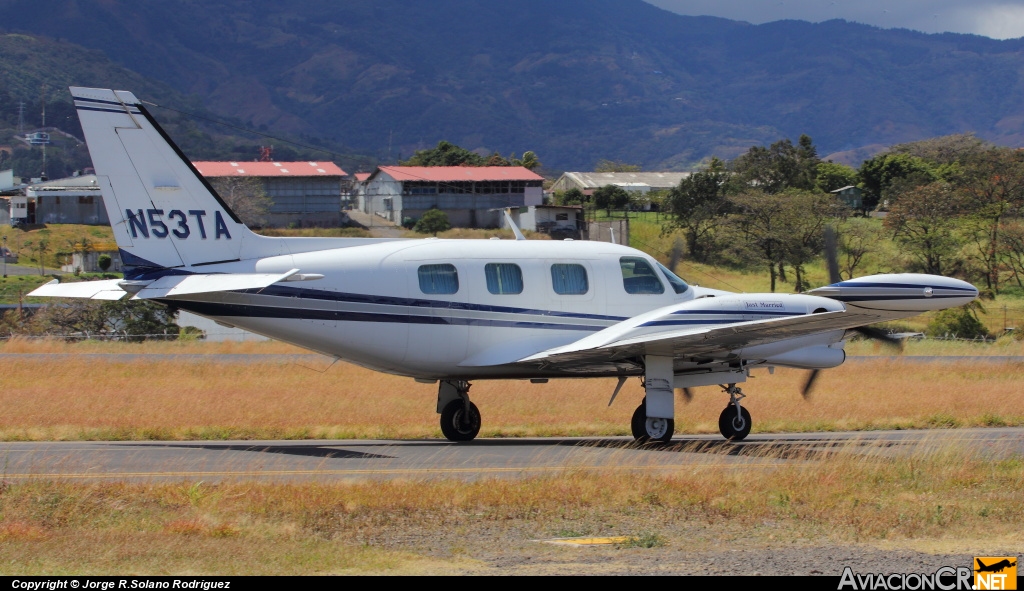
901 292
816 357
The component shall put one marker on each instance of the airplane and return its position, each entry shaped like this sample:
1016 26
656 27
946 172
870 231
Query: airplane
994 568
452 312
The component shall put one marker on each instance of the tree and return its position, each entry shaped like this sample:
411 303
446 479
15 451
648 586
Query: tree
571 197
104 261
855 239
831 176
778 167
783 228
884 173
610 196
446 154
804 219
245 196
138 319
529 160
1013 249
698 205
615 166
944 150
923 222
759 227
992 185
959 323
432 222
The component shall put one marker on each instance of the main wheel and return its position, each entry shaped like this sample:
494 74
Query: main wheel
647 428
456 425
734 428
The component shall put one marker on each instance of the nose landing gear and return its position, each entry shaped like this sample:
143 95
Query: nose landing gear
734 423
460 418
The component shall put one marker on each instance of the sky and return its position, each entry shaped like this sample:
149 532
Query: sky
997 19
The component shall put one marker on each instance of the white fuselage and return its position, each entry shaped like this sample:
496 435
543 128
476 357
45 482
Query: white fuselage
370 307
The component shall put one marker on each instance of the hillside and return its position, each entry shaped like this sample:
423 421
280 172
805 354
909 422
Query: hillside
35 68
574 80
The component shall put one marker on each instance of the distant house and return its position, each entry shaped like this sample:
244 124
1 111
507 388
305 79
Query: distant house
472 196
303 193
559 221
851 196
71 200
88 259
38 138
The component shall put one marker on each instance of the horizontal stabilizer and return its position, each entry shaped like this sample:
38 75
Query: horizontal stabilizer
181 285
93 290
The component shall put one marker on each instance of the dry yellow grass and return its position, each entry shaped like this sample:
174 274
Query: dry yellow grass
947 498
82 398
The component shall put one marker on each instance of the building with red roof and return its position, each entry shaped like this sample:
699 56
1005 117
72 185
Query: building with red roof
472 196
303 193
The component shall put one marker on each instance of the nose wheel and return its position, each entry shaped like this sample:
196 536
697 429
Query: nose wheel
460 421
734 423
460 418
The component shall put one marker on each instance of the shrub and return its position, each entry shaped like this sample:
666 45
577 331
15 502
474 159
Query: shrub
104 262
958 322
432 222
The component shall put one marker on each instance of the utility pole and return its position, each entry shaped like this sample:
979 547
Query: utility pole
43 100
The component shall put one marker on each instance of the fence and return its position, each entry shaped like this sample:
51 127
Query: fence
616 231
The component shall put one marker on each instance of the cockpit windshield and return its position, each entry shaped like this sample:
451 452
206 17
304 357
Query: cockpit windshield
677 284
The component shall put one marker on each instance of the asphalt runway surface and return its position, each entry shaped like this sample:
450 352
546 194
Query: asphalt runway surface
349 460
316 359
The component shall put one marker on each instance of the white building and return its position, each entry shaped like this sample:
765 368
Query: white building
471 196
641 182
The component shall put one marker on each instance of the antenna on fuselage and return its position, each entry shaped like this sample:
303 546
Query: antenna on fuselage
511 224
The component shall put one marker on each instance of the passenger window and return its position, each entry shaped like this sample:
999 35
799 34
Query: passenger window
639 277
504 278
441 279
569 279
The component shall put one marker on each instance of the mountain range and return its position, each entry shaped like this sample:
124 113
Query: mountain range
573 80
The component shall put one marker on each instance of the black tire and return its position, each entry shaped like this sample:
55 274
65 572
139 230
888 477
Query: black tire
638 420
732 427
645 429
452 421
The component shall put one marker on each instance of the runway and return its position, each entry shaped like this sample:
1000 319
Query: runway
348 460
313 359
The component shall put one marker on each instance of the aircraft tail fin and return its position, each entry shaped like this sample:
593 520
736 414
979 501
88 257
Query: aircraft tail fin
163 212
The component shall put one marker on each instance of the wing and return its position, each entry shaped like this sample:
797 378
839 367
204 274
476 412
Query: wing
628 340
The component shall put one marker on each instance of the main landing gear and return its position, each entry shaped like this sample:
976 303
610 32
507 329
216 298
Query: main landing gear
647 428
734 422
460 418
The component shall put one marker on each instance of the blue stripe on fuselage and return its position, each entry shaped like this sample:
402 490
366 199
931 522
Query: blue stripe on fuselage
215 309
359 298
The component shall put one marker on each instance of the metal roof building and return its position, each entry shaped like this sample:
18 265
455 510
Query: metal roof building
303 193
630 181
71 200
472 196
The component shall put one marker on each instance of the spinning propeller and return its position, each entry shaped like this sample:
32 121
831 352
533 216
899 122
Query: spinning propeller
875 334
